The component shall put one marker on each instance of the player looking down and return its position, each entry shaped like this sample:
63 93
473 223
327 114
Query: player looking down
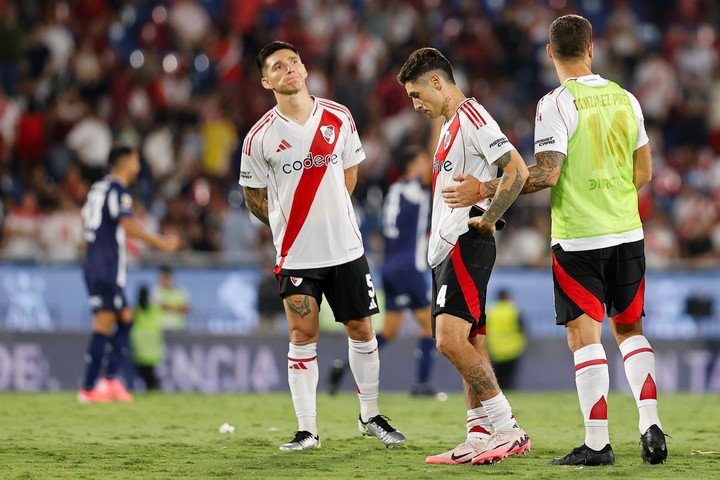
592 150
462 250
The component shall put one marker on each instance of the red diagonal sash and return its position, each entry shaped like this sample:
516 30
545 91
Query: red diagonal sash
307 188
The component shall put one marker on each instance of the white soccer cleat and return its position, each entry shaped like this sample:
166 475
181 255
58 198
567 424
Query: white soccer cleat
303 440
463 453
502 444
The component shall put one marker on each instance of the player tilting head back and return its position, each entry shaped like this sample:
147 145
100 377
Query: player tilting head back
462 250
299 167
107 217
592 149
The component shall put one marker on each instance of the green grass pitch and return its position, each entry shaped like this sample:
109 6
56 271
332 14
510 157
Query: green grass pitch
49 435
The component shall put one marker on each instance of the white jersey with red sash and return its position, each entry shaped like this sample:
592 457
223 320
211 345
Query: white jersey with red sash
302 166
470 142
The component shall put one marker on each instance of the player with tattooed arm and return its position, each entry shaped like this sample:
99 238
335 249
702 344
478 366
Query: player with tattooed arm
299 168
592 150
461 251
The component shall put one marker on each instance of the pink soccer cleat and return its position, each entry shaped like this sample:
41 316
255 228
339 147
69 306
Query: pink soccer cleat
115 390
92 396
502 444
463 453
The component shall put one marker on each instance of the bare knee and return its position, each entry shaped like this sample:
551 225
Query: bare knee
452 337
126 315
389 334
448 347
623 331
360 330
393 320
582 331
424 319
302 335
103 322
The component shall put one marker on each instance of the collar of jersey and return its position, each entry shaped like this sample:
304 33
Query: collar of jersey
584 79
458 108
293 122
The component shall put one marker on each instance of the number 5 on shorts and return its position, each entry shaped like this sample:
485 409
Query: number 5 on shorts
441 296
371 286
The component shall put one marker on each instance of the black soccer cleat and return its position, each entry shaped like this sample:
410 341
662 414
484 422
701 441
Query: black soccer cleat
584 455
337 372
654 449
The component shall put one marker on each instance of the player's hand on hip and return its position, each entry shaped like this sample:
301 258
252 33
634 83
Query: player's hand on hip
171 243
486 229
463 194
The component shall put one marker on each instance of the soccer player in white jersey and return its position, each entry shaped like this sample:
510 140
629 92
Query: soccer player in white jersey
299 167
462 251
592 149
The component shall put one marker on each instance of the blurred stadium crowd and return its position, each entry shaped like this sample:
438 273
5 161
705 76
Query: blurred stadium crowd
177 79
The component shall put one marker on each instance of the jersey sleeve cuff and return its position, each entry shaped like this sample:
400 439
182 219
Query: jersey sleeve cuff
245 183
353 162
508 147
551 148
644 142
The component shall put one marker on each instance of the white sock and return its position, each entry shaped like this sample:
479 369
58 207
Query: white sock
303 379
499 412
593 383
365 365
478 426
639 361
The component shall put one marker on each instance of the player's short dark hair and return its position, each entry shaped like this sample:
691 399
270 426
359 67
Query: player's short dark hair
406 156
422 61
570 36
271 48
118 153
165 269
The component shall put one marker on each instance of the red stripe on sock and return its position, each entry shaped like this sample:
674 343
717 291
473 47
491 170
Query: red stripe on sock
599 410
476 418
635 352
649 390
590 363
479 429
302 359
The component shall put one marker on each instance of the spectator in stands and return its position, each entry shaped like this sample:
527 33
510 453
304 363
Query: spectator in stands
61 233
22 229
167 83
91 139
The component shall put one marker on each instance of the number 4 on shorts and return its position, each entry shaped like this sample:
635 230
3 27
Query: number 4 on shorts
441 296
